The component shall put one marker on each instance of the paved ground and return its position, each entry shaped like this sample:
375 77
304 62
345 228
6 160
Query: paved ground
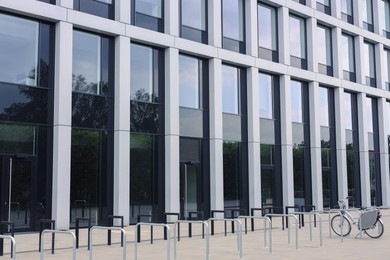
221 247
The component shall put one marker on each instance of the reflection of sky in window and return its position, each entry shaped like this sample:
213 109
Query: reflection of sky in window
189 82
149 7
347 53
346 6
388 117
267 27
296 102
324 2
229 89
386 65
348 111
265 96
368 108
369 60
323 43
18 50
86 56
233 20
193 13
366 12
141 76
297 37
324 107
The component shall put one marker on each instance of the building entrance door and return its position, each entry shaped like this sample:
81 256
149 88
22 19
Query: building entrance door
189 189
18 191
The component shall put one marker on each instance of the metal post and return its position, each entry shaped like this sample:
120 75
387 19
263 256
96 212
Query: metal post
13 245
204 223
59 232
123 236
165 226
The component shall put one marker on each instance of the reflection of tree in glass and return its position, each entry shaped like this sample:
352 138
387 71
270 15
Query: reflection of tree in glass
143 115
231 171
80 84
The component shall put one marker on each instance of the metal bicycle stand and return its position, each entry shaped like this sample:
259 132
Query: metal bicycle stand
296 225
58 232
123 237
166 228
266 219
239 233
13 245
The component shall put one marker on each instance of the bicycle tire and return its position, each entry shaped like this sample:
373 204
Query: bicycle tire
336 227
376 231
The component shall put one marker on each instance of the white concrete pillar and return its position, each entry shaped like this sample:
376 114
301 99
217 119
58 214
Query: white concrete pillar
254 139
337 52
380 60
286 141
341 151
251 28
363 150
122 11
122 129
357 13
360 60
311 46
315 143
383 119
172 158
171 17
65 3
215 23
216 135
284 35
62 128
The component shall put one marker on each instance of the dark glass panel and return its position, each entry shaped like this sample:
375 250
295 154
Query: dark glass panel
89 175
267 131
46 66
231 175
194 34
23 104
267 186
191 122
326 158
233 45
149 22
18 139
91 111
49 1
298 134
327 188
144 117
102 8
267 154
325 137
299 174
231 127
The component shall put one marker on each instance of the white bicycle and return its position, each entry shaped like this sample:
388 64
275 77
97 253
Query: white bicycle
369 221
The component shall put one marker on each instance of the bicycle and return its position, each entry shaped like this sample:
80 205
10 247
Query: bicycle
369 221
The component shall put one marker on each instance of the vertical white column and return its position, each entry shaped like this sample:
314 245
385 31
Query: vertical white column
360 60
171 17
379 61
62 128
251 27
284 35
337 52
312 60
363 153
254 139
341 152
357 13
172 163
286 141
122 11
335 6
383 119
122 129
216 135
312 3
215 23
315 143
65 3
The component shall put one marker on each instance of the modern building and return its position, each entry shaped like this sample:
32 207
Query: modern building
128 107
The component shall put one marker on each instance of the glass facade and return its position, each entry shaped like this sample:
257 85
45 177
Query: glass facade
26 87
384 18
324 50
270 152
386 69
268 32
348 57
347 11
148 14
324 6
102 8
301 143
230 89
233 26
369 67
298 42
194 20
367 15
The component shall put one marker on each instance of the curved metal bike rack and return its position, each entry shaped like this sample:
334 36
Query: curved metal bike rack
311 228
296 225
53 231
123 236
13 244
266 219
152 225
239 233
203 223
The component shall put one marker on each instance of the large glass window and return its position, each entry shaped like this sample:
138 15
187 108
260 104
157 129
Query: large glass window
367 15
324 50
267 30
102 8
189 82
301 143
298 42
194 20
386 69
230 89
369 64
347 11
324 6
233 27
148 14
231 175
384 18
270 154
348 57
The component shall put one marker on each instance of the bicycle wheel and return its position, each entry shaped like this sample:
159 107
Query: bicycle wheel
376 231
336 225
